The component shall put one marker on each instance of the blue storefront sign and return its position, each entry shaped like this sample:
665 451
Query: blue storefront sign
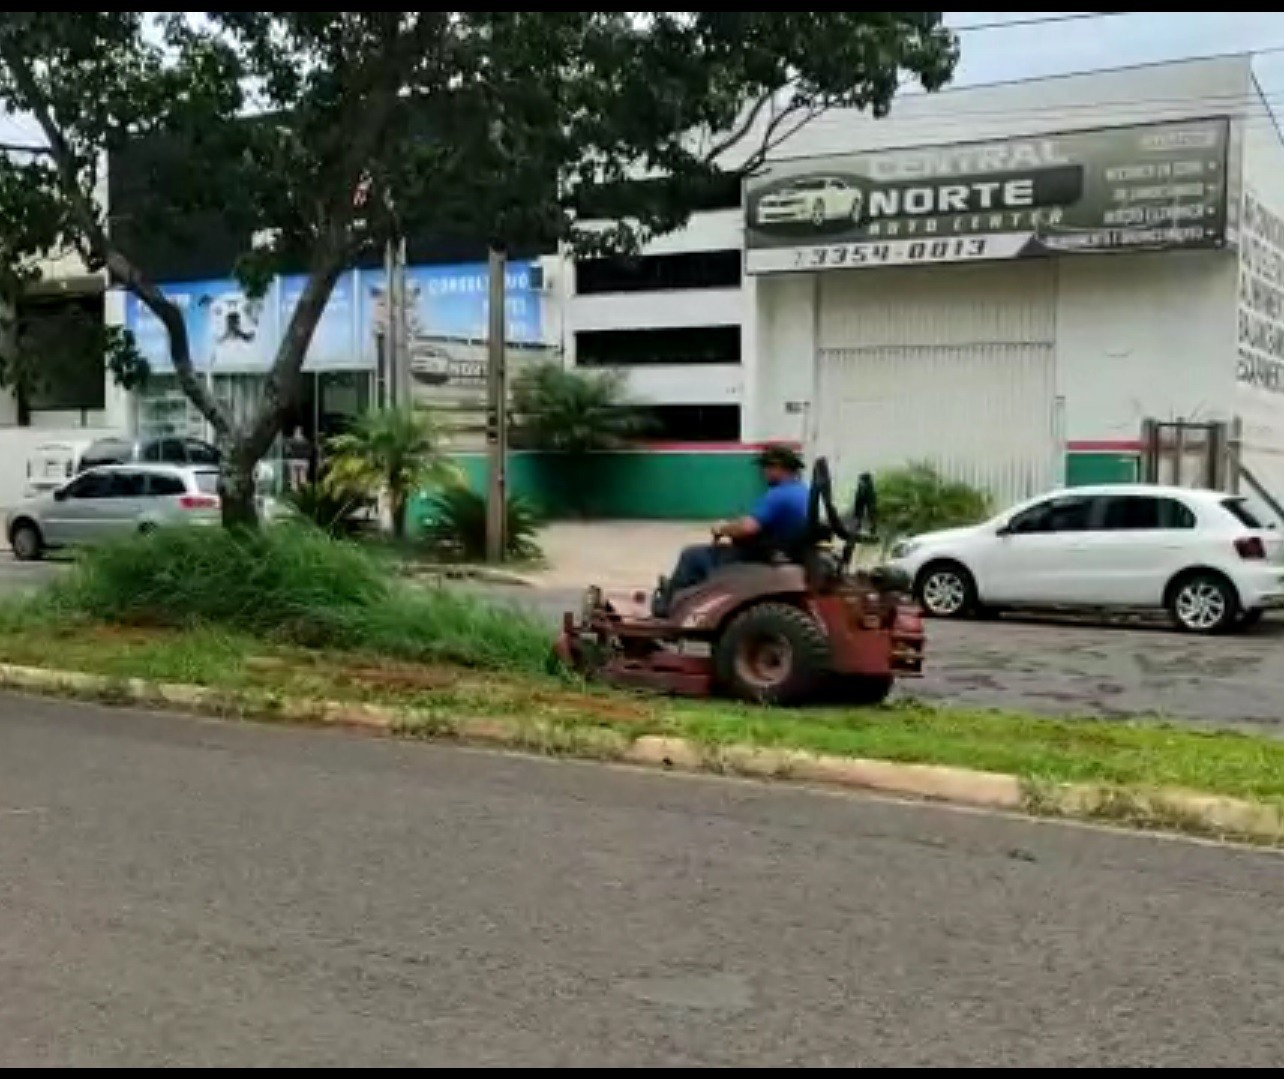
230 334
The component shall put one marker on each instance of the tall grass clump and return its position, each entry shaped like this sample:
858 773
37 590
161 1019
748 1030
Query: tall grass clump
293 585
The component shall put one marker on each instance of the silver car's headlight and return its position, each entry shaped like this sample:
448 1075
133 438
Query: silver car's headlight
904 549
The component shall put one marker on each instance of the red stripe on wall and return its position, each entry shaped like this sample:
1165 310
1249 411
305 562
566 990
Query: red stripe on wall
713 447
1127 445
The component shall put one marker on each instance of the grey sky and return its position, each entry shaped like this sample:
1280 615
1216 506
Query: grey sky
1118 41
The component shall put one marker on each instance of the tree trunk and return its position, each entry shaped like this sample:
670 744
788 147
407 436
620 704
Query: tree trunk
398 504
236 491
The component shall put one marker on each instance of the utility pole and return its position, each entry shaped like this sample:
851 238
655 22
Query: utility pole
402 319
497 410
391 378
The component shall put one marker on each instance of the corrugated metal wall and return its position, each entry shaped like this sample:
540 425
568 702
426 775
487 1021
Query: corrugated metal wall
956 366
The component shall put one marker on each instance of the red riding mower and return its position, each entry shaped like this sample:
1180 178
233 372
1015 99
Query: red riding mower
790 631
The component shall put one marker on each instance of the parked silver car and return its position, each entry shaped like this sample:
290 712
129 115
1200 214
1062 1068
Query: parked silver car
107 503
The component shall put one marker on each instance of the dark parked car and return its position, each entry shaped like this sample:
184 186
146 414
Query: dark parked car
162 450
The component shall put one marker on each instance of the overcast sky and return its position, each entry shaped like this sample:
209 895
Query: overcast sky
1054 48
1142 37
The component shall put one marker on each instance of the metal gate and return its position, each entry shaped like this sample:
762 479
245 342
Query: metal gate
1181 453
953 367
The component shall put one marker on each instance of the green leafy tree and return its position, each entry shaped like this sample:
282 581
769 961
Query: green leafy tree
322 134
395 453
567 411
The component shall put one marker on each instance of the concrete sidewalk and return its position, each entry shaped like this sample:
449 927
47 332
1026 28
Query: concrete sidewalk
616 555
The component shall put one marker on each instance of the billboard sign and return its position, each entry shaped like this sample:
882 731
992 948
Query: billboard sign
1155 187
446 318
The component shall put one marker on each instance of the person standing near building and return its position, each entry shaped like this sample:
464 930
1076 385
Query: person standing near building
298 459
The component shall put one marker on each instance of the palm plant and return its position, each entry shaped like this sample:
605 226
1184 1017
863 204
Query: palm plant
574 412
457 526
391 452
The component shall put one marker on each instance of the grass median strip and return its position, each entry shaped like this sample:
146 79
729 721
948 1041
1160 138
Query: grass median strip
557 716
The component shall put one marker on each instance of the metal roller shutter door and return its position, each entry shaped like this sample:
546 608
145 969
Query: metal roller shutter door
955 366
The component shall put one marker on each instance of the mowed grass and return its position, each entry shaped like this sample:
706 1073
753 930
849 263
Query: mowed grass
1148 754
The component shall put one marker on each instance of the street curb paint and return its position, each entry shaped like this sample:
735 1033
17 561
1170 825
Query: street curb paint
1165 809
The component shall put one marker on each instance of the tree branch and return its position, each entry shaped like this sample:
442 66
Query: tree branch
741 132
119 267
773 137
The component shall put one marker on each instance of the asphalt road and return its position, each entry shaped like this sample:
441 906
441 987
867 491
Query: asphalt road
178 893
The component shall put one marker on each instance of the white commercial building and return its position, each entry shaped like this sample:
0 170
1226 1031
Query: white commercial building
1006 281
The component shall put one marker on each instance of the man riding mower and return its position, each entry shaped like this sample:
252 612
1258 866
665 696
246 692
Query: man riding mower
771 612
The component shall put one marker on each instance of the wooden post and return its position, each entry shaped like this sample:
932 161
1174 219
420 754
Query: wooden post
497 411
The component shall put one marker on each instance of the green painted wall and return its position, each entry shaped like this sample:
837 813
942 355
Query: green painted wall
682 485
642 485
1084 469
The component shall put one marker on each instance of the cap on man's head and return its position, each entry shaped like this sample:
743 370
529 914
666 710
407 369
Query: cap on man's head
781 456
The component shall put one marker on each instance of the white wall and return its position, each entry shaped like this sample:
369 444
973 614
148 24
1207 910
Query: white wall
785 359
673 384
681 384
1143 336
1194 88
1261 409
1136 336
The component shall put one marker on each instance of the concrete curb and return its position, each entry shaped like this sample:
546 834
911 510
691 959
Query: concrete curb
485 574
1165 809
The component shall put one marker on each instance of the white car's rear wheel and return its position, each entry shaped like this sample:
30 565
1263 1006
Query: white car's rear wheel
946 590
1204 603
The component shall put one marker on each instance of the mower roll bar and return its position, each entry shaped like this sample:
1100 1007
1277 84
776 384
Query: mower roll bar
860 528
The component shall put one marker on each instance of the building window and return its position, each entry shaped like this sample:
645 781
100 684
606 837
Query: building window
693 423
614 202
60 341
676 345
657 273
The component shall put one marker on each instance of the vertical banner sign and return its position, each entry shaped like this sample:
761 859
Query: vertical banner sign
1261 297
1150 188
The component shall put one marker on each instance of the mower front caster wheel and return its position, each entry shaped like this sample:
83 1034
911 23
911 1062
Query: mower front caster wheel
773 654
862 690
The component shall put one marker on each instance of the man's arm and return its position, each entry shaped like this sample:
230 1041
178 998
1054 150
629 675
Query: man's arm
742 528
759 520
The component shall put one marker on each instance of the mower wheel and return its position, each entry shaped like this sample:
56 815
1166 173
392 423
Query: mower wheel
773 654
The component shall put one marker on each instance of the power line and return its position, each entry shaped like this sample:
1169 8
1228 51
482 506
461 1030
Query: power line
1038 20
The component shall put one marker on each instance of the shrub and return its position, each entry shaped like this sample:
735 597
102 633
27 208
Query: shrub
294 585
335 513
918 499
577 412
456 526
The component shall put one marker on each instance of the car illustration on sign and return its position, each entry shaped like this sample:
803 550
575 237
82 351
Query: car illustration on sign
815 199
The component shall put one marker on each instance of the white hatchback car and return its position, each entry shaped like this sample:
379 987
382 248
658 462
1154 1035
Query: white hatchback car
1201 555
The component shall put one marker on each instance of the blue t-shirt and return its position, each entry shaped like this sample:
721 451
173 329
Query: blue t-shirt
781 513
